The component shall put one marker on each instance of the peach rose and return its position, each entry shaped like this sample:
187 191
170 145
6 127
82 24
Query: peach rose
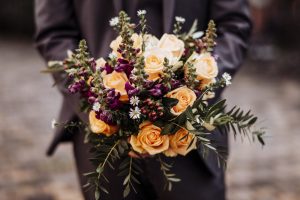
186 97
99 127
149 140
116 80
179 143
206 66
171 43
154 63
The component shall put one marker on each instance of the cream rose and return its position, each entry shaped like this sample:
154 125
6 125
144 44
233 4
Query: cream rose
149 140
99 127
171 43
186 97
150 42
179 143
205 65
154 63
116 80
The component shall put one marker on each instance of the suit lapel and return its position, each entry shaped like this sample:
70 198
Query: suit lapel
168 14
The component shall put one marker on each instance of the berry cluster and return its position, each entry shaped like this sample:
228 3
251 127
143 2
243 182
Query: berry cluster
152 108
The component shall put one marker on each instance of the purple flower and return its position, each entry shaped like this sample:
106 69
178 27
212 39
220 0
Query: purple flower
175 83
124 66
159 90
131 91
107 68
105 116
113 99
93 64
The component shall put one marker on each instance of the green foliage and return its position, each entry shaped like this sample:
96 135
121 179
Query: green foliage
131 170
169 177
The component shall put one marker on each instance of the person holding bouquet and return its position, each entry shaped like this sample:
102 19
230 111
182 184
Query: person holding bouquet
61 24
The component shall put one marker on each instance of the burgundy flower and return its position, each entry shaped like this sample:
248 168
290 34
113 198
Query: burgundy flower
124 66
107 68
175 84
113 99
105 116
131 91
159 90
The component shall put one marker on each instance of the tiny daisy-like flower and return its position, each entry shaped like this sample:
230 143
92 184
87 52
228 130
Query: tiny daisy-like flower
141 12
227 78
53 124
135 113
114 21
96 106
112 55
134 101
180 19
98 68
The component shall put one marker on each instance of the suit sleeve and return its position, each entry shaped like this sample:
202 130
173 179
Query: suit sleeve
57 32
234 25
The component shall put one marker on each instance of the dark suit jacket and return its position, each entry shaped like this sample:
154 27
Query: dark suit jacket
60 24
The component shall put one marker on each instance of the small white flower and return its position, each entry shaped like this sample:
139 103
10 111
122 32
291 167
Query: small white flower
53 123
135 113
96 106
141 12
227 78
114 21
112 55
180 19
98 68
134 101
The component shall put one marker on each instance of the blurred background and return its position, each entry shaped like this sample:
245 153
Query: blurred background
268 84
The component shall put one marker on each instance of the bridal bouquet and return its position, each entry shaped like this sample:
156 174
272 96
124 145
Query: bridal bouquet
151 98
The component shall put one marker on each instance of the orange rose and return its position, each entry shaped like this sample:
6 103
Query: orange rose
116 80
149 140
186 97
99 127
179 143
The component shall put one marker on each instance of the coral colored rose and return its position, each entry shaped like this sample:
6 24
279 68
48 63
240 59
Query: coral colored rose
154 63
179 143
149 140
116 80
205 65
171 43
186 97
99 127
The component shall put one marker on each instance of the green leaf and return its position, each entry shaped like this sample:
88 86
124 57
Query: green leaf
169 102
126 191
167 129
97 194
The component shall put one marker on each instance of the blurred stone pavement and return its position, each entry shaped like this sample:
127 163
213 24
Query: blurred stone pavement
28 103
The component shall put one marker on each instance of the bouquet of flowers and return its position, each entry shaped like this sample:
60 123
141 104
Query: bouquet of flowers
151 97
